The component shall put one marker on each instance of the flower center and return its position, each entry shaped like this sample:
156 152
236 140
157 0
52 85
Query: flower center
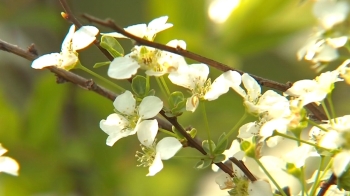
147 155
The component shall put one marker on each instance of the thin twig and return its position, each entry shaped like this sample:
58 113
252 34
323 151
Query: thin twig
317 113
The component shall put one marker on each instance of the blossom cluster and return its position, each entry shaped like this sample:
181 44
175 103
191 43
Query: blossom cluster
273 147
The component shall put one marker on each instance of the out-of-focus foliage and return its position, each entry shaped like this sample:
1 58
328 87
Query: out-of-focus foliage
52 129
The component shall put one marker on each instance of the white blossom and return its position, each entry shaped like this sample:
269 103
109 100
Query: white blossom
68 57
129 118
194 77
156 62
145 31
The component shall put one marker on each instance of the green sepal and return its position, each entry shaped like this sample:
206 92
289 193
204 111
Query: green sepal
205 145
177 103
112 46
100 64
139 86
219 158
202 164
248 148
223 142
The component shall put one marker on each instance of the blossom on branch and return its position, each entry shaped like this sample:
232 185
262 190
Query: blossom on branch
153 153
130 118
194 77
156 62
68 57
142 30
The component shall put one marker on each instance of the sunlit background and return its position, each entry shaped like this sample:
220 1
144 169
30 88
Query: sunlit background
52 129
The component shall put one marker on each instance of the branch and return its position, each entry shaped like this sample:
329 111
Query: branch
317 113
63 75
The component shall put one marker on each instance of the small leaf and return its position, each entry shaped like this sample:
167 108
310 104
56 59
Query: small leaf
112 46
177 103
138 85
100 64
219 158
205 145
222 144
202 164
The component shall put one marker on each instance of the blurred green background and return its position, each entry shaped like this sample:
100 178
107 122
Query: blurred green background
52 129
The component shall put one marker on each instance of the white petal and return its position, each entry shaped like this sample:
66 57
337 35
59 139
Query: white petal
123 67
138 30
340 163
46 61
125 103
177 43
156 166
168 147
259 187
219 86
224 181
147 131
159 24
66 44
192 103
248 130
278 124
114 34
84 37
9 165
150 106
114 126
252 86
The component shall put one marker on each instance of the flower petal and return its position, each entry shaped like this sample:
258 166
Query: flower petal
340 163
147 131
66 44
123 67
46 61
252 86
125 103
114 126
259 187
156 166
150 106
9 165
168 147
84 37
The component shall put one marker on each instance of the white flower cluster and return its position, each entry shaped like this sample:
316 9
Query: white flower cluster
271 147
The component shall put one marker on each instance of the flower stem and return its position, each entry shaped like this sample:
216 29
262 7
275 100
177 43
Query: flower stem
205 118
161 86
167 132
270 177
298 140
330 103
165 85
317 125
245 115
100 77
325 110
317 177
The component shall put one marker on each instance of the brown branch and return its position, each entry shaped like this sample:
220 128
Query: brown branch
64 75
317 113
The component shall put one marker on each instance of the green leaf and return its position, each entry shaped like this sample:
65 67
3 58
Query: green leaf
177 103
100 64
219 158
222 144
205 145
112 46
138 85
202 164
